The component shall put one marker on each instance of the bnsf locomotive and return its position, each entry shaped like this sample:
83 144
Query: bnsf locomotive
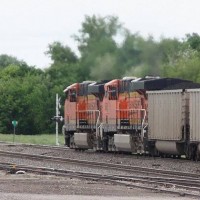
158 116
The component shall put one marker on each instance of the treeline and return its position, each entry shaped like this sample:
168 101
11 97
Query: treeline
107 50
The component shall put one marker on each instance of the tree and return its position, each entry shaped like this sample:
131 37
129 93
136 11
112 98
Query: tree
128 54
64 69
186 66
105 67
62 72
6 60
24 95
140 56
61 54
193 40
95 40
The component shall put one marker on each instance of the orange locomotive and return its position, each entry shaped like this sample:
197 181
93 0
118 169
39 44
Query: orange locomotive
124 116
110 115
70 113
83 114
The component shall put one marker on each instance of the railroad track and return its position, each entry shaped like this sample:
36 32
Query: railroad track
126 168
140 177
65 148
158 184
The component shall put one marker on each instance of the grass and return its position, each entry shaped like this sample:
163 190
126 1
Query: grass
45 139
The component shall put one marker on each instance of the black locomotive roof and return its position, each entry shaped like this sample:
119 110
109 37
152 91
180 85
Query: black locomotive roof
97 88
83 90
160 83
125 85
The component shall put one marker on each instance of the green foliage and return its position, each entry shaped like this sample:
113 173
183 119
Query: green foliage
168 49
95 41
6 60
104 67
61 54
63 71
28 94
193 41
129 53
186 66
24 100
183 59
64 68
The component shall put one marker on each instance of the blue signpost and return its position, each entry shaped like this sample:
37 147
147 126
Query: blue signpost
14 123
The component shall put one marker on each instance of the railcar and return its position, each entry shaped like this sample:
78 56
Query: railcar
173 121
138 115
193 145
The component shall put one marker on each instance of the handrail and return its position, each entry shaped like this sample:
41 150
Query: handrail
98 117
99 128
143 120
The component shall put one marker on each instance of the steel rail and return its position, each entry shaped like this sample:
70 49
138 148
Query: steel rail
154 185
65 148
127 168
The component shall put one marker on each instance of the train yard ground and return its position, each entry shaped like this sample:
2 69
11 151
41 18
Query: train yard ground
30 186
87 181
37 187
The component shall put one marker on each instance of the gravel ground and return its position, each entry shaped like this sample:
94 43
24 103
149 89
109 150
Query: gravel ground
64 166
36 187
11 196
143 161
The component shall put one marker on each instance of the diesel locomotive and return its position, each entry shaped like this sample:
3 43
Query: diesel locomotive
150 115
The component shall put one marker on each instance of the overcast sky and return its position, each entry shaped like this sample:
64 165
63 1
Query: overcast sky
28 26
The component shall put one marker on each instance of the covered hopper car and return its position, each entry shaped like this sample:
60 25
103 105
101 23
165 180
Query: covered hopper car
173 122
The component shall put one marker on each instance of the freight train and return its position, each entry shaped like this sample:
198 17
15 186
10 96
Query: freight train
150 115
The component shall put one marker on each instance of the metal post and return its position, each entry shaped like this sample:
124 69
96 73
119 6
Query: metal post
57 113
14 123
14 134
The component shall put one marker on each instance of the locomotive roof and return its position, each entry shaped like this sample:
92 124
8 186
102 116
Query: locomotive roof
97 87
83 89
74 85
160 83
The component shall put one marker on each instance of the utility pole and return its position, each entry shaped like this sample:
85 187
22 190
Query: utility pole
57 118
57 114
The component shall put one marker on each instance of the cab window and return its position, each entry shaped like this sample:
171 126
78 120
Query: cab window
112 93
72 96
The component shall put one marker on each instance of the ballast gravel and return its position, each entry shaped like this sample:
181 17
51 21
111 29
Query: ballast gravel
124 159
31 186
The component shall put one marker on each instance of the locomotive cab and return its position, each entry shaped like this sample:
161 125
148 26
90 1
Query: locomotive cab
123 115
110 106
83 137
131 118
89 117
70 113
109 112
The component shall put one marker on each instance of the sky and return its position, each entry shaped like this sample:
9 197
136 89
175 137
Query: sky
27 27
